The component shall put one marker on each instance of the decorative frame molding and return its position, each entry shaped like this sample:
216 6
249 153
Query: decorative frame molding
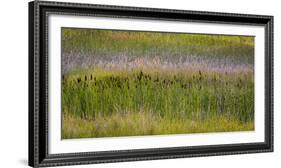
38 84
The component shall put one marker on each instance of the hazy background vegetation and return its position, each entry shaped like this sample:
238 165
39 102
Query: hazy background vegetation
121 83
88 47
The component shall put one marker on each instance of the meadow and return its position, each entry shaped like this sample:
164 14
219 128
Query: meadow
120 83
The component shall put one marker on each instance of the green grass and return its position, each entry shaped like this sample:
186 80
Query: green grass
143 123
99 98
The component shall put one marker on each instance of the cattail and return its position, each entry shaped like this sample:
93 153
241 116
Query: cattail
85 78
140 76
91 77
78 80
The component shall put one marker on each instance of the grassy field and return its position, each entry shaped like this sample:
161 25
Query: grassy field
143 83
143 123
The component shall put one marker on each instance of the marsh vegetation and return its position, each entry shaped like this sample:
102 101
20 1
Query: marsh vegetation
124 83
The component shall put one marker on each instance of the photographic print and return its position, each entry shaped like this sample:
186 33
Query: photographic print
133 83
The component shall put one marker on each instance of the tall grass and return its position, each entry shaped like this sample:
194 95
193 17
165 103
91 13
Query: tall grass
196 93
195 96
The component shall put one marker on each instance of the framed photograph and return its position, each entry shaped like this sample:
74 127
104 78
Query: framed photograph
114 83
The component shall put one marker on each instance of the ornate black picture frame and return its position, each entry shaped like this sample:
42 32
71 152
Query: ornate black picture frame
39 155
